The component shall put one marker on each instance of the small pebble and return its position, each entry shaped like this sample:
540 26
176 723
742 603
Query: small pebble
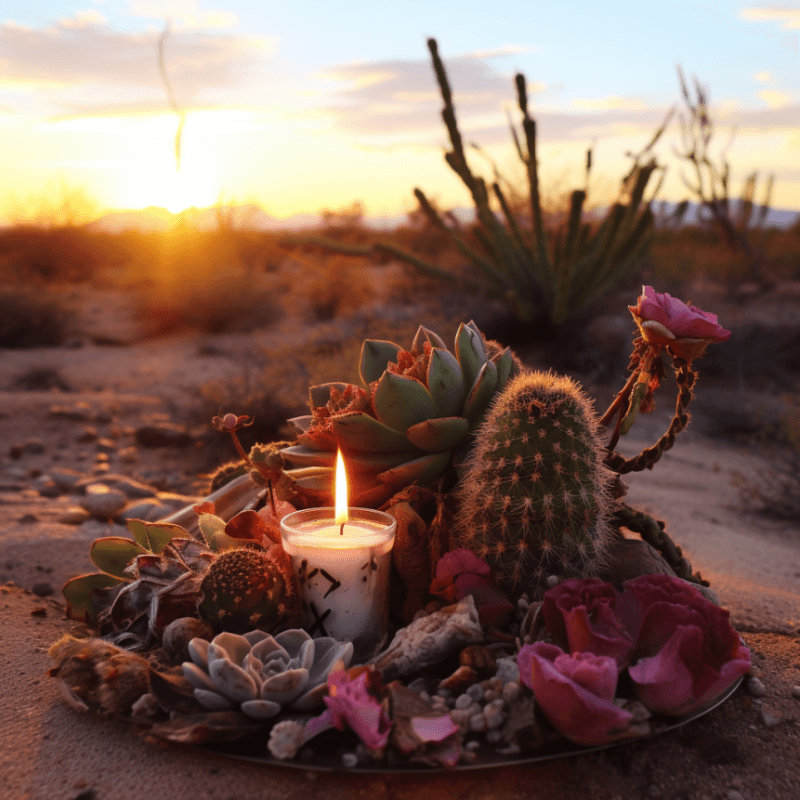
425 696
494 715
468 756
464 701
770 716
491 695
475 692
350 760
477 723
472 745
755 687
74 516
511 692
494 737
418 685
553 581
795 690
734 794
496 684
445 693
754 672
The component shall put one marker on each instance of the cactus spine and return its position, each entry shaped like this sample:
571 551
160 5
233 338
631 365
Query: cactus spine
534 500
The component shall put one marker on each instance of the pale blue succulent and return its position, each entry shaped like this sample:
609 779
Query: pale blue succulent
261 674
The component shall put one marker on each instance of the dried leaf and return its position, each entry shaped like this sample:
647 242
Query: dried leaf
215 726
173 692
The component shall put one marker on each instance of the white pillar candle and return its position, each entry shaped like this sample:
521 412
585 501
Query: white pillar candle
343 571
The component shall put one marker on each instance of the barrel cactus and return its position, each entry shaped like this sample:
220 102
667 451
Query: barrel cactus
245 589
415 411
261 674
534 501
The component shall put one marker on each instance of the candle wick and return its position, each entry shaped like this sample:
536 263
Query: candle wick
341 530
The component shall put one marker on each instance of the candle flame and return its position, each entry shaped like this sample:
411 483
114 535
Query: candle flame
341 490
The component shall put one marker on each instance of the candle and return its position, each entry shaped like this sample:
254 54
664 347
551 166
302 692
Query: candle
342 559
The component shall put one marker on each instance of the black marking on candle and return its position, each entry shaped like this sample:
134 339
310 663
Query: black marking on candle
373 564
366 564
341 530
312 573
334 583
303 566
318 621
364 578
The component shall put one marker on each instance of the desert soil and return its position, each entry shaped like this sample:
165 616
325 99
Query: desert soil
747 748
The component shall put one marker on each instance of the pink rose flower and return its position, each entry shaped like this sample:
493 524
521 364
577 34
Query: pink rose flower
575 692
666 321
461 573
351 705
582 614
686 652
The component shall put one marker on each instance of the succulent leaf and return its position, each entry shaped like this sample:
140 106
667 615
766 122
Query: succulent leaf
304 456
154 536
445 383
300 424
375 357
481 392
112 554
424 335
212 529
360 431
136 527
401 402
320 394
421 471
505 364
438 435
88 595
470 352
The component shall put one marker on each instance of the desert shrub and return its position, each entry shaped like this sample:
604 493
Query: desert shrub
32 319
335 286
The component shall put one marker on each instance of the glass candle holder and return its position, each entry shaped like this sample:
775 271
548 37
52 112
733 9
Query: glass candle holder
343 572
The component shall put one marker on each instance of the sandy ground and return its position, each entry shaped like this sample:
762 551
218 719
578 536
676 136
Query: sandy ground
50 752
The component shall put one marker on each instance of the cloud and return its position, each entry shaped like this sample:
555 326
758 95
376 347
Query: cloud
83 52
611 103
394 97
183 14
790 17
763 77
84 19
774 98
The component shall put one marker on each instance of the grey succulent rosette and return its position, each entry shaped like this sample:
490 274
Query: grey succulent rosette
261 674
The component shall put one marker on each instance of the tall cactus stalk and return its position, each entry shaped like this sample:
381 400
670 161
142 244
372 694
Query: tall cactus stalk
536 271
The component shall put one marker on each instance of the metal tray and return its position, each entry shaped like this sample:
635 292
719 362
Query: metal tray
254 749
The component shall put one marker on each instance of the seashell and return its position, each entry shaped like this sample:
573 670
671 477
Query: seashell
429 640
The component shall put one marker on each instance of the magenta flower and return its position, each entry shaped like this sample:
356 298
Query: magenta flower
666 321
461 573
582 614
686 653
575 692
350 704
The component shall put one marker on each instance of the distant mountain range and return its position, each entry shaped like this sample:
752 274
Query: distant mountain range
253 217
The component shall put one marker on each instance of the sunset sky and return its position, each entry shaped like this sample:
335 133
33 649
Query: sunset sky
299 106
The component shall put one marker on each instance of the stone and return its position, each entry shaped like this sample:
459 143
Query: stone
756 687
75 515
132 488
631 558
770 716
795 690
429 641
80 412
507 670
106 445
46 486
100 501
89 434
43 589
162 434
146 510
66 479
179 633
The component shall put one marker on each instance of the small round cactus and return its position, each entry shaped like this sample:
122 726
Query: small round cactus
534 501
245 589
225 474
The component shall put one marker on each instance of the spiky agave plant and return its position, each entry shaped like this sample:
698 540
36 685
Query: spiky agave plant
534 499
409 421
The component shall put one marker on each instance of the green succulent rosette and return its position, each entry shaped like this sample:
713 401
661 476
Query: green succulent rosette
412 418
